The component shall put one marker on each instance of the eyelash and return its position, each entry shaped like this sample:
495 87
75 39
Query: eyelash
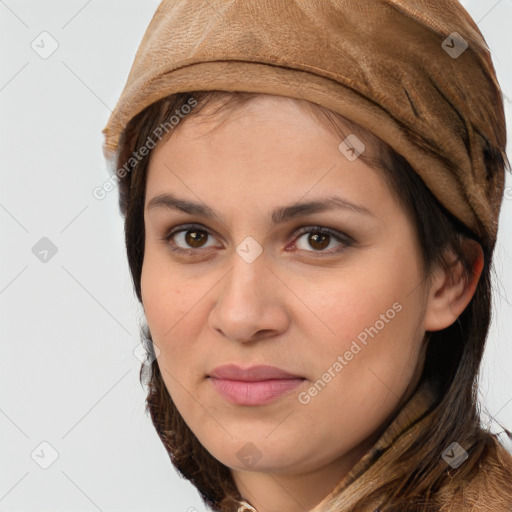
337 235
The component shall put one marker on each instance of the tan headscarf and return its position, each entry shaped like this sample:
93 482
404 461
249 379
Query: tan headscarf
417 73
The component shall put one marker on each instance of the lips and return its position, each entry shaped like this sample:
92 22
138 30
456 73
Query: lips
251 374
257 385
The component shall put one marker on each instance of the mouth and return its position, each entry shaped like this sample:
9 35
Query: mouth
257 385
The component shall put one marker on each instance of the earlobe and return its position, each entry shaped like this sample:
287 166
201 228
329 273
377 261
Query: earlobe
452 289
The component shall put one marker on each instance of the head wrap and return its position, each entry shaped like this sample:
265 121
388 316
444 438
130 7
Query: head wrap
416 73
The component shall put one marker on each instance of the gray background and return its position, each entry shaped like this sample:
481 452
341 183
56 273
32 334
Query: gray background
68 375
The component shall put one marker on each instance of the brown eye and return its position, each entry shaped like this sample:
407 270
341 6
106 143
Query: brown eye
187 238
319 238
195 238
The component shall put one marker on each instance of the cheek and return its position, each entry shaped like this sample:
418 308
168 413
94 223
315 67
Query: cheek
362 371
166 297
168 307
342 306
371 319
175 312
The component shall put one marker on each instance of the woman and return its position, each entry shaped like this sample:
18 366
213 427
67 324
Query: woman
311 193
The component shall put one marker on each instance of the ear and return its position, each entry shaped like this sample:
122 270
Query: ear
451 291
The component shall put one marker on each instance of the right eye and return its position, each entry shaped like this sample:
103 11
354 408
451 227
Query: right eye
187 238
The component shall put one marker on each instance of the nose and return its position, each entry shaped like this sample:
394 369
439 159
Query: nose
250 303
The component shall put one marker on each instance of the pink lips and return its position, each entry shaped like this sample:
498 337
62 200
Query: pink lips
256 385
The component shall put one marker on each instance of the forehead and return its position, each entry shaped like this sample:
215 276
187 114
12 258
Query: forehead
272 150
227 107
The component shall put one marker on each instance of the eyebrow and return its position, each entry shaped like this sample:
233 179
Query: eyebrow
279 215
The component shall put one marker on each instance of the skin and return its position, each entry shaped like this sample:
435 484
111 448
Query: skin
298 306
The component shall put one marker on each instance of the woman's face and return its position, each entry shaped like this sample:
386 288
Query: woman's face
247 280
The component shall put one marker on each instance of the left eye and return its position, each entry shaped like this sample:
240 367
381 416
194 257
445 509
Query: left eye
319 238
193 237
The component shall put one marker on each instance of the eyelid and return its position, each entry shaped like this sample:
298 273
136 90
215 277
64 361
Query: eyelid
344 239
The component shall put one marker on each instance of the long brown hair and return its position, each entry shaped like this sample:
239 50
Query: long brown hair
414 477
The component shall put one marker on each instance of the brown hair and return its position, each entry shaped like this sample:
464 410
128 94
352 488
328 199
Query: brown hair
414 477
